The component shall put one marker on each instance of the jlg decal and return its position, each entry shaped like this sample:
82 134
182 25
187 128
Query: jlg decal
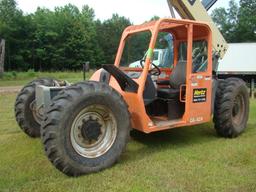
199 95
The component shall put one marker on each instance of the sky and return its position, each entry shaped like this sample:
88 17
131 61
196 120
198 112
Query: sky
137 11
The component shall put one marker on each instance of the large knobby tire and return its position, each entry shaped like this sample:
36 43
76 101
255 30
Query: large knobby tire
231 109
26 117
86 128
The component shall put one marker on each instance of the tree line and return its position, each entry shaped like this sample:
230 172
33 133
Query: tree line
67 37
58 40
238 22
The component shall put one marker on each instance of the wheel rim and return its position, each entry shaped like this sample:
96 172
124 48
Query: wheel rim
37 114
238 110
93 131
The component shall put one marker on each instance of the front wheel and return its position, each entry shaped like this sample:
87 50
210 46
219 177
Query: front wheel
86 128
231 109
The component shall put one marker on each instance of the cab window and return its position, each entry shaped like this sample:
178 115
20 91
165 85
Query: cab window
163 58
135 50
199 55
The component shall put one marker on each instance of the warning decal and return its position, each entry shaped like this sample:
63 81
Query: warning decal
199 95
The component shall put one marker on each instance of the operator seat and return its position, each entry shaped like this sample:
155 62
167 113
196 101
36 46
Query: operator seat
177 78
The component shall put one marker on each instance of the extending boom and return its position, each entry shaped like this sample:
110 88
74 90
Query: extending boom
195 10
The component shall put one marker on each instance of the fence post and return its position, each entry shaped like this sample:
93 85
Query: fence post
86 68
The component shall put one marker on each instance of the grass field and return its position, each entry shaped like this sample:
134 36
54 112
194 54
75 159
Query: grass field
22 78
184 159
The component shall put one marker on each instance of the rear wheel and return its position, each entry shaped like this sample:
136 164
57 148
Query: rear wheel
27 116
231 107
86 128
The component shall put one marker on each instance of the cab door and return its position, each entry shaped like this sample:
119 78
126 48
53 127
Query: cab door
199 84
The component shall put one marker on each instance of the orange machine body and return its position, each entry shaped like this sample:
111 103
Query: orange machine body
195 113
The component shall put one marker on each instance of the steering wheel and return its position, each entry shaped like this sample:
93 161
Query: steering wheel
154 71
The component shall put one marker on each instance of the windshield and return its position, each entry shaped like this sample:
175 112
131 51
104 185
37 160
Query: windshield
136 50
136 46
165 44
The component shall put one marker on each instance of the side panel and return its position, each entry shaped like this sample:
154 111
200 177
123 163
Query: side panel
200 98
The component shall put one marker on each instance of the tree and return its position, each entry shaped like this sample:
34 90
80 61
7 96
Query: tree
154 18
226 20
2 56
237 23
15 29
247 21
64 38
108 35
61 39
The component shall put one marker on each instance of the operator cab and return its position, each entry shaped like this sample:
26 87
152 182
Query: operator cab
165 86
164 71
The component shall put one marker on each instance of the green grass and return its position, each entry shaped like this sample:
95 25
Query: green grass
22 78
183 159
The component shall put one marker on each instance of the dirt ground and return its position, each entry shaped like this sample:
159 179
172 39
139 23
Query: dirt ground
10 89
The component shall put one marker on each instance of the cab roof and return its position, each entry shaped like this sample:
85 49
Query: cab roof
178 28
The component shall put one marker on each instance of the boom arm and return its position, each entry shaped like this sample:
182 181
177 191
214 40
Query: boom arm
195 10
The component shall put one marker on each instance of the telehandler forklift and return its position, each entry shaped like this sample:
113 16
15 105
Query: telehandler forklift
85 127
